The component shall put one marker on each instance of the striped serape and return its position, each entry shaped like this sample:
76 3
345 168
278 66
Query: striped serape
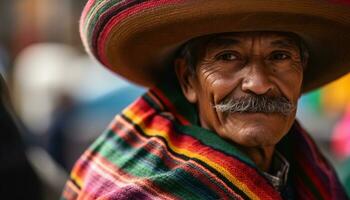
155 150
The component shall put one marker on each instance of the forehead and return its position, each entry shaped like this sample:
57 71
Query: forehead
273 39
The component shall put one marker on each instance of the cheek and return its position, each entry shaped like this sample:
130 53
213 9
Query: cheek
218 82
295 85
290 83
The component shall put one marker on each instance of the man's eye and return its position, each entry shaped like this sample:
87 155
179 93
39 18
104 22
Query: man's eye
227 57
279 56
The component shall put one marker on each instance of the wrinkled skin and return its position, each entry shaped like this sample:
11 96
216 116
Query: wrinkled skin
239 64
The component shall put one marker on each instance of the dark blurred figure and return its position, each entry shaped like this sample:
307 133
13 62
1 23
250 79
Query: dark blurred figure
58 130
18 180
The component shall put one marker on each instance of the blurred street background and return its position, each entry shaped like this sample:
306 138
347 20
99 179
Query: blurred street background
64 99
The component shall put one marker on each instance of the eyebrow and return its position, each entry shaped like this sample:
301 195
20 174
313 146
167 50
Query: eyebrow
221 42
285 43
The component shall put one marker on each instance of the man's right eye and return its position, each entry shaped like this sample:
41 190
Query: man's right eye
227 56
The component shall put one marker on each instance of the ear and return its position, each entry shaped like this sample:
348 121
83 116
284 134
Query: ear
186 80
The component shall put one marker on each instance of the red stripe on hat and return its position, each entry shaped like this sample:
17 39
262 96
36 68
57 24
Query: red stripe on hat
114 21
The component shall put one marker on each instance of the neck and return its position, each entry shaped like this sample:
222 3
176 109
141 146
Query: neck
261 156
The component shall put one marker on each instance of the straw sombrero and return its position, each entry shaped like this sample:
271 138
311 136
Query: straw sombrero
137 39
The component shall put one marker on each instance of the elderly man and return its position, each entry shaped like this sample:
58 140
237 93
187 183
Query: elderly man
219 119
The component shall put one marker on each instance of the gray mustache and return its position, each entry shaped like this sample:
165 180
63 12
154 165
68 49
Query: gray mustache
256 104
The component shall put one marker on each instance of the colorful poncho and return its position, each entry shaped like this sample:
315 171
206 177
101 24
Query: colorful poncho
155 150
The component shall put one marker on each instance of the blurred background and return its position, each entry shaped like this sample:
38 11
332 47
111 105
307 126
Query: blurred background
64 99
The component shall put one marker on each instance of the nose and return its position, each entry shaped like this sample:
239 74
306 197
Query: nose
257 78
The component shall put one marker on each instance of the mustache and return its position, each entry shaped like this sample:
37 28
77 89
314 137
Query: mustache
256 104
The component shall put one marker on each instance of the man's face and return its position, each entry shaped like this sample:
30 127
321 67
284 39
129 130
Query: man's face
241 65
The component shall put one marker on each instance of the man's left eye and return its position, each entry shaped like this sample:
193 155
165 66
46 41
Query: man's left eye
279 56
227 56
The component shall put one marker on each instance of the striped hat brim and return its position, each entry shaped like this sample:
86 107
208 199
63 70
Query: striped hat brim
138 38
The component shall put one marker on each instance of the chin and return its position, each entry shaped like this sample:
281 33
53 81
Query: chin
255 136
255 130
